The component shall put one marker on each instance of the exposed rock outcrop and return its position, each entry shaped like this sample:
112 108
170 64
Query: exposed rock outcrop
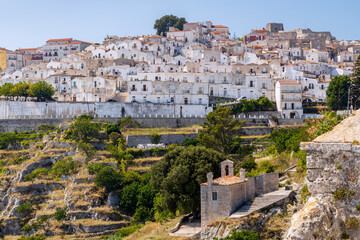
334 185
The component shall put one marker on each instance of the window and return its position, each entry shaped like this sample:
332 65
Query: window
292 106
214 196
158 99
251 84
133 88
200 101
144 87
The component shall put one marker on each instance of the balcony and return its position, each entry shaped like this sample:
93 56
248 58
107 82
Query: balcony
291 91
295 108
186 91
291 100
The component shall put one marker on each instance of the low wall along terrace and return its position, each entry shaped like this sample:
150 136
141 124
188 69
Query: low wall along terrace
51 110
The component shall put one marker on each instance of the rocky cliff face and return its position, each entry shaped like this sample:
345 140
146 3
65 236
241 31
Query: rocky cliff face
87 211
332 210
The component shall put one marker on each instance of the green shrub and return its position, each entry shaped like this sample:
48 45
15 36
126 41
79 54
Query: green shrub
114 137
95 167
339 167
352 223
17 161
304 193
109 178
243 235
35 174
342 193
127 122
155 138
301 164
143 214
83 129
36 237
249 164
26 228
288 182
24 208
124 232
59 214
358 207
191 142
66 166
111 128
40 146
6 139
87 148
44 128
25 144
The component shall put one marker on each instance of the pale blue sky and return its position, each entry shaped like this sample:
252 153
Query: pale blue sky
29 23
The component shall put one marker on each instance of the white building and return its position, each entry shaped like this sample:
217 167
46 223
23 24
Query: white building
288 97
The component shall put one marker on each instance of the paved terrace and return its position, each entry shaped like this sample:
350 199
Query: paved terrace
262 202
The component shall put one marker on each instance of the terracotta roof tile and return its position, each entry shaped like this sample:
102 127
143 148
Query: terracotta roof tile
227 180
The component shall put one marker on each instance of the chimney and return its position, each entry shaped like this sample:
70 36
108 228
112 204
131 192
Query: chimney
242 174
209 178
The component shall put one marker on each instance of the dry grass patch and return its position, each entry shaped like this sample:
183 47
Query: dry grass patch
275 227
148 131
139 169
156 231
145 161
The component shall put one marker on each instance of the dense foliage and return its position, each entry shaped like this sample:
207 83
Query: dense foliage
83 129
337 93
356 83
109 178
40 90
220 132
245 105
162 24
317 127
178 175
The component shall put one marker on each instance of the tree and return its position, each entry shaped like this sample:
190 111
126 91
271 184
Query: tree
110 128
162 24
109 178
265 103
21 89
7 138
180 172
220 131
337 92
356 82
41 90
83 129
5 90
128 200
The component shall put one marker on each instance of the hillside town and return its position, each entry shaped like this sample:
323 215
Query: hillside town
189 131
202 64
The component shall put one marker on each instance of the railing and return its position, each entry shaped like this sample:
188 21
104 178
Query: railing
291 99
290 91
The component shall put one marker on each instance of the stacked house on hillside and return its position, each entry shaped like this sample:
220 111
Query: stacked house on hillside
194 66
